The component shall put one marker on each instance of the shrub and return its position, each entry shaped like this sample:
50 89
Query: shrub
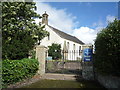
55 51
16 70
107 48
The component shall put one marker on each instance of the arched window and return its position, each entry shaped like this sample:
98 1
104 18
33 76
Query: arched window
79 49
49 37
68 45
73 46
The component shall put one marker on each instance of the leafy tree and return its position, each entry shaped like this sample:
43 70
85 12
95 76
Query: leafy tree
107 48
0 30
55 51
19 31
41 33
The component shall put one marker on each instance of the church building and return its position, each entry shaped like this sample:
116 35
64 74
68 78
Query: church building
71 44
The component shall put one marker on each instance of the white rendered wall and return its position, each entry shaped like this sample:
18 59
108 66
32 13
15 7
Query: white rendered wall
71 55
55 38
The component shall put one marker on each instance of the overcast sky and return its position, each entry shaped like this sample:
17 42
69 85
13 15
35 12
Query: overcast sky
81 19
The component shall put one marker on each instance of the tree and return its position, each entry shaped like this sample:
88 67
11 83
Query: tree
107 48
0 31
19 30
55 51
40 33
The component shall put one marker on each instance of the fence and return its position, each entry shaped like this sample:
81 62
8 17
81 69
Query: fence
71 54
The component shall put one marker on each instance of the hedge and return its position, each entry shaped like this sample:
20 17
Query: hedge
17 70
107 49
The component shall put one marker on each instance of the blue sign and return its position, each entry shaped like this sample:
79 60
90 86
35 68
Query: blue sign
87 54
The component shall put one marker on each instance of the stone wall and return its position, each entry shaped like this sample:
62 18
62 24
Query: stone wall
108 81
63 67
87 71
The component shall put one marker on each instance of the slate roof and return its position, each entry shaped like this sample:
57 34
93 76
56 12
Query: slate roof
66 36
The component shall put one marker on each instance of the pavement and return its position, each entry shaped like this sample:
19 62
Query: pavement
55 76
51 76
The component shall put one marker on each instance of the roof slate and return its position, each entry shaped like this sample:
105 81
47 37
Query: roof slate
66 36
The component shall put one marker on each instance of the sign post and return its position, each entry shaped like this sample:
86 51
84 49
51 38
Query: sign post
87 65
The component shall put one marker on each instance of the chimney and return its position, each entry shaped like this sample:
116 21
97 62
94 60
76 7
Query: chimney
45 18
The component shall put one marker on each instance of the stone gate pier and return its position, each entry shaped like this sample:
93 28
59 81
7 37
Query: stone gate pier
41 52
87 66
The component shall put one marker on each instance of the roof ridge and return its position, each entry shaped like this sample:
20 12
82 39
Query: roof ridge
66 36
61 31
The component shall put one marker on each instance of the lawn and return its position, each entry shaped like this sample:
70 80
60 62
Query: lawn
64 84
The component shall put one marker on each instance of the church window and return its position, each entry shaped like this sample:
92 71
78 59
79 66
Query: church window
68 45
73 46
79 49
48 37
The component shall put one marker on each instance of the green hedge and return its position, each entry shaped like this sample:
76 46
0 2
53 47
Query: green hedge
17 70
107 48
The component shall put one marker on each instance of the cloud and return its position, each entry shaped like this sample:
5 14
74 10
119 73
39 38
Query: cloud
85 34
62 20
88 35
58 18
110 18
100 24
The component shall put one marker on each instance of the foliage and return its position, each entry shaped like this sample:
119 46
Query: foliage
107 45
19 31
40 33
32 53
16 70
55 51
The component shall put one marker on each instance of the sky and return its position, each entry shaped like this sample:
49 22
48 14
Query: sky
81 19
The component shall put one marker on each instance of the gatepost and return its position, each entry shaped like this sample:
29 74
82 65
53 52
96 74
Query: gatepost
41 56
87 63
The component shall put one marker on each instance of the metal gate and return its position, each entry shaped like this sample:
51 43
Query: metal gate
70 63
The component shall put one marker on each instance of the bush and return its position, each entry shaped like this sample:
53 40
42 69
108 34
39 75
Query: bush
55 51
107 48
16 70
